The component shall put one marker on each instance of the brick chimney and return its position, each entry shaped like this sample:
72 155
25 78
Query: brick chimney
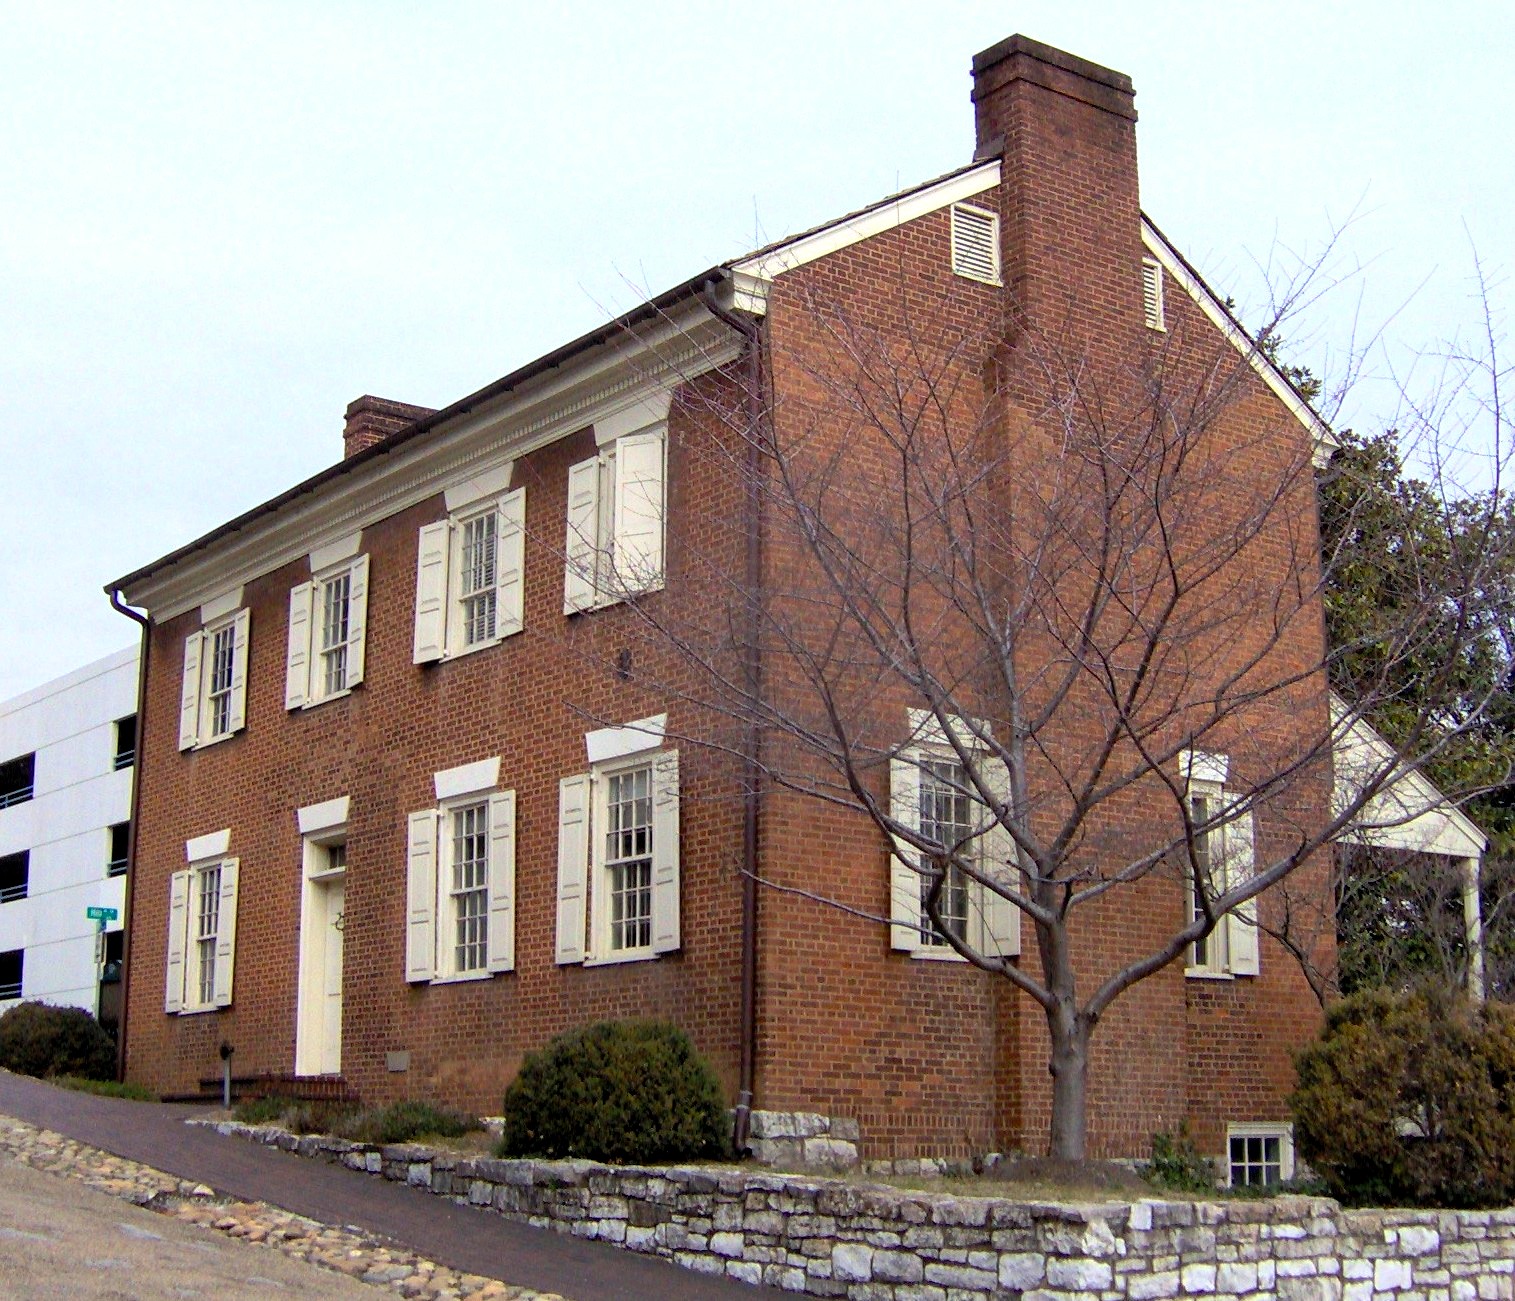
371 420
1065 129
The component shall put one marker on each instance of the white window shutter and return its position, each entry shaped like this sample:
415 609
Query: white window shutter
1241 921
501 929
1001 918
904 880
573 865
297 659
240 633
583 543
665 852
226 934
431 592
639 512
510 563
421 895
357 619
189 699
1152 295
178 922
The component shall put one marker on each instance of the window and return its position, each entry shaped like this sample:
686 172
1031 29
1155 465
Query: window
17 778
12 968
1152 294
15 873
1217 859
935 796
1258 1155
469 572
618 855
202 929
213 702
327 622
616 508
461 880
975 244
126 743
120 845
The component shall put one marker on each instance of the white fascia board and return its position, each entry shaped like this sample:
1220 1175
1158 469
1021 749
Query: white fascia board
753 275
1167 256
679 346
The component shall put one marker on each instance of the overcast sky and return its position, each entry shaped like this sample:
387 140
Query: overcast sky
219 224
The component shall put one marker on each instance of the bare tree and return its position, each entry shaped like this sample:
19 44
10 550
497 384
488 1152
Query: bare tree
1050 620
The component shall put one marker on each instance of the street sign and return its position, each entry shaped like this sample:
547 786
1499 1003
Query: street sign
101 914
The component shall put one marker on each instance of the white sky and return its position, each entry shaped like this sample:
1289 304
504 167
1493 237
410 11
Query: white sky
219 224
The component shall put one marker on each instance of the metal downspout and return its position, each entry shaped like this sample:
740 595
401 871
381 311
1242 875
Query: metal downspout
131 835
752 671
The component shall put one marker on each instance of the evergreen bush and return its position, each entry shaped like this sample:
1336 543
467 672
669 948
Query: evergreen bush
1410 1099
631 1092
43 1040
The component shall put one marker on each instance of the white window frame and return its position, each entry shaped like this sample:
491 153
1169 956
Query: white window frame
1282 1131
993 922
585 903
440 626
1231 949
305 679
990 219
431 927
197 713
616 540
185 981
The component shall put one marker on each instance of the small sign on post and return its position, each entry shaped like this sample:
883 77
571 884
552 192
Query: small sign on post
101 915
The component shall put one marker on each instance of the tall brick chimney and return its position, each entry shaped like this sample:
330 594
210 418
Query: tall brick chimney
371 420
1065 129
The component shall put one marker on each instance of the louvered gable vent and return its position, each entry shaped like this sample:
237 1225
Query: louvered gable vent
975 244
1152 294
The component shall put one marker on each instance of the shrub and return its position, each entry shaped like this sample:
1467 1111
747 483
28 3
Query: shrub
1410 1098
622 1091
39 1039
1177 1164
403 1122
107 1088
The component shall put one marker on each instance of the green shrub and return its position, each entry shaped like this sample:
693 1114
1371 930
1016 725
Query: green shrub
404 1122
622 1091
1410 1099
107 1088
1177 1164
262 1111
39 1039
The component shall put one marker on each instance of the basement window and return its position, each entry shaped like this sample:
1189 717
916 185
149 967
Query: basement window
1259 1155
16 780
1152 294
126 743
15 873
120 841
975 244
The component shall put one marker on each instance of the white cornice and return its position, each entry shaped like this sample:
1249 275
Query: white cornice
589 387
753 276
1175 266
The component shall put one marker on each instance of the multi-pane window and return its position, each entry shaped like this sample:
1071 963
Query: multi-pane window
15 872
218 679
477 585
947 818
1258 1159
616 506
120 843
628 857
207 923
336 612
126 742
1209 952
469 889
17 777
12 966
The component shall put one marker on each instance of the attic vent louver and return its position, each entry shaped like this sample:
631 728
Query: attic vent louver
1152 294
975 244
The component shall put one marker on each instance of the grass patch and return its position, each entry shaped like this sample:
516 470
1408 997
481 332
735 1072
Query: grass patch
398 1122
106 1088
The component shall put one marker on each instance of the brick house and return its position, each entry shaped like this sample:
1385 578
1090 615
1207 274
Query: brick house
412 793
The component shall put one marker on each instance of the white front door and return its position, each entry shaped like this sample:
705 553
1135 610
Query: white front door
318 1026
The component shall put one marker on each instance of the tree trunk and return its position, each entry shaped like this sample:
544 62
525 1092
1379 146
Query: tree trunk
1070 1084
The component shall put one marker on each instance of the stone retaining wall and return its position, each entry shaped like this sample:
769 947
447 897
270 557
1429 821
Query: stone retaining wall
830 1238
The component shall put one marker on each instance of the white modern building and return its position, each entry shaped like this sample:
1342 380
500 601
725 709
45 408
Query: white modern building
67 759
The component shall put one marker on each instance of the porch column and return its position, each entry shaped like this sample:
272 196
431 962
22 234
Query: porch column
1472 916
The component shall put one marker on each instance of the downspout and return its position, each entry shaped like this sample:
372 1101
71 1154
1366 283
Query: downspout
752 672
131 835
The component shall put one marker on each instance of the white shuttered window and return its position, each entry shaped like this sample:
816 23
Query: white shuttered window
202 936
213 693
617 508
470 571
1222 853
328 619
